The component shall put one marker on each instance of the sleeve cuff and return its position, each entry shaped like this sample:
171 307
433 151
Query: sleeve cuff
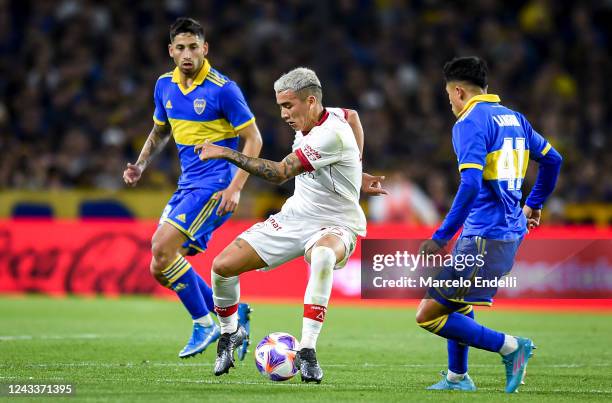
158 122
245 124
470 165
534 206
305 163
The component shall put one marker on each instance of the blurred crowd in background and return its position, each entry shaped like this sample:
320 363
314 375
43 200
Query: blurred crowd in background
77 80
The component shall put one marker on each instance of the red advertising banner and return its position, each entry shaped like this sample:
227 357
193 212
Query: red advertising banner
112 258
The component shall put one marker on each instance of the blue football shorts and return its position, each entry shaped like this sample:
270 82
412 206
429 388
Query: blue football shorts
194 213
491 259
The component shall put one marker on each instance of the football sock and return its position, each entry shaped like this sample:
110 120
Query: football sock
207 293
466 330
457 352
510 345
226 293
205 320
318 291
183 280
453 377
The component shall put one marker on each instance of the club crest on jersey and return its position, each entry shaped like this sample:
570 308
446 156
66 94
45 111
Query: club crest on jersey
198 105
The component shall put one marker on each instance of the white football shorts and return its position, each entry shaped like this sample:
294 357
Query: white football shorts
282 238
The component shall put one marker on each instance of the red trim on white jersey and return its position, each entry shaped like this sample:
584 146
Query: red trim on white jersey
346 113
323 118
305 163
320 122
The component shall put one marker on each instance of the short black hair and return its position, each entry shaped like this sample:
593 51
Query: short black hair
184 25
472 69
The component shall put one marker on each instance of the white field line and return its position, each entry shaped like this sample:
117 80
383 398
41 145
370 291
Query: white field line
51 337
210 364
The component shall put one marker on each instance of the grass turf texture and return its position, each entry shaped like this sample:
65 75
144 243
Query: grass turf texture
126 349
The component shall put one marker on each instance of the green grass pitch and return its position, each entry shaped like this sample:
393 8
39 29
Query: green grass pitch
126 350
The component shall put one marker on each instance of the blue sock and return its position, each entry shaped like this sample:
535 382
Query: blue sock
183 280
207 293
463 329
457 352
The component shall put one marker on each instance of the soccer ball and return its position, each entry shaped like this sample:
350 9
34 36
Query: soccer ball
275 356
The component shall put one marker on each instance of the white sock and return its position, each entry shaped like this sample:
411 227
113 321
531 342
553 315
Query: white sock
510 345
228 324
453 377
310 333
205 320
316 297
226 293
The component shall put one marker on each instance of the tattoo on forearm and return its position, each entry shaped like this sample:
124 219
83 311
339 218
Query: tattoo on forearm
266 169
155 142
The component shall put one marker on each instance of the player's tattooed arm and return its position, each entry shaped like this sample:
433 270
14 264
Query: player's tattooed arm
275 172
272 171
157 140
158 137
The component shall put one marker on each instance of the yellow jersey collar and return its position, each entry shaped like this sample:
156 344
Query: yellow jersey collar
479 98
199 79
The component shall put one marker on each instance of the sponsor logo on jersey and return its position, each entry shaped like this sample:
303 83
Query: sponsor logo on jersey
311 153
168 105
181 218
274 224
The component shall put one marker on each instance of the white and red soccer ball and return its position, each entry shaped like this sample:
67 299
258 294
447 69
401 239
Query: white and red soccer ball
275 356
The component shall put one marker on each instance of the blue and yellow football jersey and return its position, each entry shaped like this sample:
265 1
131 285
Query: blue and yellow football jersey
213 109
499 141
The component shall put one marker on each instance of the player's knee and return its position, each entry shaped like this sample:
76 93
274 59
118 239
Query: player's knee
162 255
421 317
425 315
221 266
156 272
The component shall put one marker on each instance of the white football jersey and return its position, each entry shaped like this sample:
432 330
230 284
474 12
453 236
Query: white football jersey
328 192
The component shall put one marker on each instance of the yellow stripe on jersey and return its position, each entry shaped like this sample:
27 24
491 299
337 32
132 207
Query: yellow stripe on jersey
189 132
494 164
470 165
245 124
546 149
216 76
215 81
158 122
